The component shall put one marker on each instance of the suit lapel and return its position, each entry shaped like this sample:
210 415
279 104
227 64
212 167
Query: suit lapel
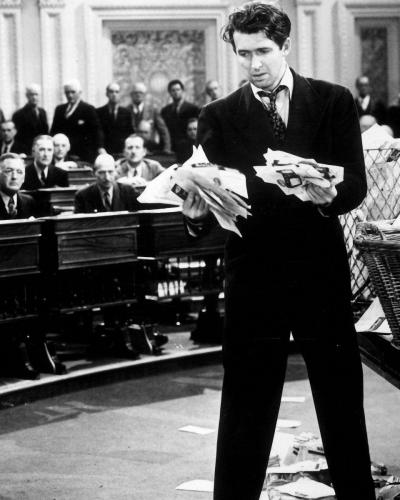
3 211
305 114
116 200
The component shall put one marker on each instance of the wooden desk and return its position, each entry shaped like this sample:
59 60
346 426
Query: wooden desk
162 234
80 176
53 201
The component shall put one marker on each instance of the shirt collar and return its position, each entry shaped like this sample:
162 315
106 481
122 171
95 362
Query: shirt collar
110 190
286 80
40 170
6 198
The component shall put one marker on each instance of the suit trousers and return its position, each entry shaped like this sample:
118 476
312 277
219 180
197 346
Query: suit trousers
255 357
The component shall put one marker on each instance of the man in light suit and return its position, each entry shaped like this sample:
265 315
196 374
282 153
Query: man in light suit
289 271
115 121
134 168
105 195
177 113
79 122
30 120
141 109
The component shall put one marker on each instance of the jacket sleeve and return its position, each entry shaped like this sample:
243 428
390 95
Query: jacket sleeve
79 203
348 152
163 131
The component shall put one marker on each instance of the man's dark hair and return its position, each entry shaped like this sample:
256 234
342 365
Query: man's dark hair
254 17
175 82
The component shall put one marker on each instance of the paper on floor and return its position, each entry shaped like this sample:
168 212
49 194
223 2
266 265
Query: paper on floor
197 485
194 429
373 320
306 488
288 424
293 399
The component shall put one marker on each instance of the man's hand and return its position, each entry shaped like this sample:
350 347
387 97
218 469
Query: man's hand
322 197
194 207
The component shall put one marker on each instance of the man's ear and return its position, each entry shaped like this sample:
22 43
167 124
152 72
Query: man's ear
287 45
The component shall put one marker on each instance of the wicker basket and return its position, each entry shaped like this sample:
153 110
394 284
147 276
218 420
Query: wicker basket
379 245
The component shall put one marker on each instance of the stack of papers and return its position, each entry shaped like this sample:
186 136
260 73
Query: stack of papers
293 174
223 190
307 488
387 148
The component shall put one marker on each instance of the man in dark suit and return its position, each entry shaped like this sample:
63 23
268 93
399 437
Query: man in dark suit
142 109
289 271
30 120
41 172
366 103
393 117
115 121
8 141
105 195
177 113
79 122
13 204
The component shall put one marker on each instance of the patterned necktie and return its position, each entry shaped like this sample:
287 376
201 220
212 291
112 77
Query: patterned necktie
107 201
12 211
269 101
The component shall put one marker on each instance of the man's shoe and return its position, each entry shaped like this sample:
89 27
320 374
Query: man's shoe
123 345
139 339
43 360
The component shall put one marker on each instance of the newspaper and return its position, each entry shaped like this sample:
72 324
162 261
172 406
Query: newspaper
293 174
223 190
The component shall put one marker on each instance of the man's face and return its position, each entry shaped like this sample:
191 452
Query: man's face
113 94
72 94
134 150
43 152
61 148
144 130
261 58
363 87
12 175
32 96
191 130
176 92
213 90
8 131
138 94
105 175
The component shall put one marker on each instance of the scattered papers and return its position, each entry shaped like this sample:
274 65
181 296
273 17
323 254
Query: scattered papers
304 466
374 320
293 399
282 446
197 485
194 429
293 174
288 424
307 488
223 190
307 442
386 148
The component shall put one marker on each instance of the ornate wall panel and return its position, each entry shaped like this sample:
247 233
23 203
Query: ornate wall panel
156 57
10 55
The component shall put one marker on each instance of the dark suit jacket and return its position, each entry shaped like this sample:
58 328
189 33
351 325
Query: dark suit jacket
152 114
287 243
375 108
114 130
17 147
177 122
89 200
393 119
26 207
55 177
82 128
29 125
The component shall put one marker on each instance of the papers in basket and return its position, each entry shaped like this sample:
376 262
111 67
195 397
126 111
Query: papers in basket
379 146
293 173
221 189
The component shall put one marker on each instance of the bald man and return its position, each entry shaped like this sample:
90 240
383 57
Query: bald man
115 121
143 110
30 120
105 195
79 122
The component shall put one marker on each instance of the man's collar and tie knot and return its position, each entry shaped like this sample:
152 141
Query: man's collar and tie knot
268 100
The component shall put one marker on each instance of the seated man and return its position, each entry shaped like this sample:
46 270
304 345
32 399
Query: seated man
184 147
145 130
135 169
13 204
8 142
61 149
105 195
41 172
